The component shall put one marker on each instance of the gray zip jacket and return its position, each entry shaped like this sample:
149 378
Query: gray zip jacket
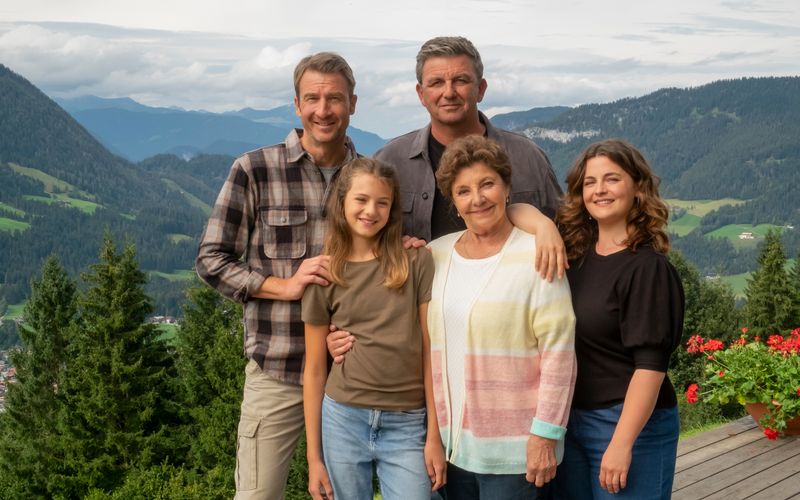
532 178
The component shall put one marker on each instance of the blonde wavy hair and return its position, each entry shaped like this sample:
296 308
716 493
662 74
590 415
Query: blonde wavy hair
338 239
647 219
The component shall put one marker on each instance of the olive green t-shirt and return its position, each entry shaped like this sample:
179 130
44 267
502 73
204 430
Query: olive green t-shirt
383 370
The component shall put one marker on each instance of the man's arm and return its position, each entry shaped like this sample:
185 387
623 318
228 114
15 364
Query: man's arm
226 238
551 254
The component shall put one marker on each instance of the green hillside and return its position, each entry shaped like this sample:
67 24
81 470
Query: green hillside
60 190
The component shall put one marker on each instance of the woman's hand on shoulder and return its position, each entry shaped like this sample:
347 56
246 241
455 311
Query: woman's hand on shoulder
541 460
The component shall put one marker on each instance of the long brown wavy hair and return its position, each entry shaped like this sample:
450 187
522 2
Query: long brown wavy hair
389 246
646 220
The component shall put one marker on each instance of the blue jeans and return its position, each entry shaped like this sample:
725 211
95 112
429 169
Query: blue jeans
465 485
652 466
353 439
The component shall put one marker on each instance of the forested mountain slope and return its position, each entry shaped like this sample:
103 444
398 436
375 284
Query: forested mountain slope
60 190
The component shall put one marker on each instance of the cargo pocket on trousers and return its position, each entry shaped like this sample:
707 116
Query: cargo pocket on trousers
247 454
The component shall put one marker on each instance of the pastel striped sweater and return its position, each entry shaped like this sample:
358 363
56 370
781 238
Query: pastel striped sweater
519 370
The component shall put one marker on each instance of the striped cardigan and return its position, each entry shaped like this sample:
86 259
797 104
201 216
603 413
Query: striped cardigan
520 362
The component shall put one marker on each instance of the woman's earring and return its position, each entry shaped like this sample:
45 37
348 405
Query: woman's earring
458 215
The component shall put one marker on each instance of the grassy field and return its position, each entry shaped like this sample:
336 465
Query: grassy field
12 225
11 210
192 199
179 275
167 330
15 311
695 210
82 205
684 225
703 207
50 183
738 282
177 238
59 191
732 232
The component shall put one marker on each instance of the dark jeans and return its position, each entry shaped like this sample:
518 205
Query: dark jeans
588 434
465 485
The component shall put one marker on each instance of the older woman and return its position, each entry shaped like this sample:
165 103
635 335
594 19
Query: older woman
502 338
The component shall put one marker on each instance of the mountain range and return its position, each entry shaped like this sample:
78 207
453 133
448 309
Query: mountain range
135 131
61 187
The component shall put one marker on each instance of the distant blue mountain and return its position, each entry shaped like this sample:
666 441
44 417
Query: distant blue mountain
136 131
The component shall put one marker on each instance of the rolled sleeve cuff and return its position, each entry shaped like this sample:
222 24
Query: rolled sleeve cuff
548 430
253 285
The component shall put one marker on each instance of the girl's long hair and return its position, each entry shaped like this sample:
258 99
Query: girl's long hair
389 246
647 218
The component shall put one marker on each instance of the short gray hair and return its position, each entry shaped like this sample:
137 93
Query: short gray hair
324 62
449 46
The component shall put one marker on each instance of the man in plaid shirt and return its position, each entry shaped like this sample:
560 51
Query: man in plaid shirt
262 247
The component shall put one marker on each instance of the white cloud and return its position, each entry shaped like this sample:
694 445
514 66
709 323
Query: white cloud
219 58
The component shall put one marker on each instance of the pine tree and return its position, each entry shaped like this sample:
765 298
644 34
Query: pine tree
28 453
710 312
794 285
118 414
769 296
211 372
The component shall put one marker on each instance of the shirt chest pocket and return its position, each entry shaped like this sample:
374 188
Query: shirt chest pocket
284 232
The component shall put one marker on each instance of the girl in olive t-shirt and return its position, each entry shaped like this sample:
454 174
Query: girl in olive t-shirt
371 409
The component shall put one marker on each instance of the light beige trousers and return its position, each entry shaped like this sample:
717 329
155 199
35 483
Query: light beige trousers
269 428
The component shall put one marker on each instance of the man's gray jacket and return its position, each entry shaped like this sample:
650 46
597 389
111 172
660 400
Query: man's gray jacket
532 178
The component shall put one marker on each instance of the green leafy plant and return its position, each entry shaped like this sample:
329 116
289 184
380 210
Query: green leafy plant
752 371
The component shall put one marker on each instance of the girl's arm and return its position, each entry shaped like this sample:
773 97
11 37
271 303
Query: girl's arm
640 399
315 374
434 454
551 254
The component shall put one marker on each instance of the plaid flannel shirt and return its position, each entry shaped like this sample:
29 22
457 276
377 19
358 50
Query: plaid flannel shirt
267 219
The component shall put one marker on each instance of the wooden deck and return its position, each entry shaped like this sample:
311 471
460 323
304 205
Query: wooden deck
737 461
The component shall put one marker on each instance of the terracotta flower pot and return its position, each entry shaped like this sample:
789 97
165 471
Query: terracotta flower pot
756 410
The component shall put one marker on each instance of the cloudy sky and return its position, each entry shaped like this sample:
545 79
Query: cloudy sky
218 56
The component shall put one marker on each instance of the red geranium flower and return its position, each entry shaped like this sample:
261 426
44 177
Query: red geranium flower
771 433
713 345
798 392
721 373
691 394
744 330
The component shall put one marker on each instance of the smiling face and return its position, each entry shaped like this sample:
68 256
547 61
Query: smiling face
609 192
324 105
450 90
367 206
479 194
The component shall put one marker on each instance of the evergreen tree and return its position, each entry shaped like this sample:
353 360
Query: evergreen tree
28 452
211 374
769 295
710 312
794 285
118 414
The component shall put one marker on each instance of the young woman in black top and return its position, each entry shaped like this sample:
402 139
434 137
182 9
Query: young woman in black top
622 433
